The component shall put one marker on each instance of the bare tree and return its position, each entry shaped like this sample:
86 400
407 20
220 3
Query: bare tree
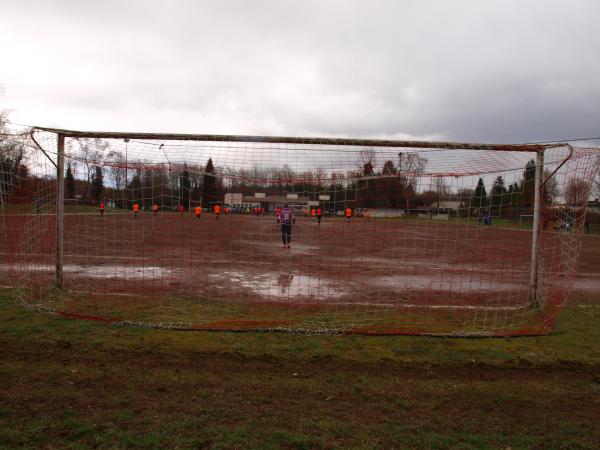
441 188
576 192
596 185
12 156
92 152
410 166
116 160
367 160
551 189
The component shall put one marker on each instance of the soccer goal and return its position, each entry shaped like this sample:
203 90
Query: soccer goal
215 232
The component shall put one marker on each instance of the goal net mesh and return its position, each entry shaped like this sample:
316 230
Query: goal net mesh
385 239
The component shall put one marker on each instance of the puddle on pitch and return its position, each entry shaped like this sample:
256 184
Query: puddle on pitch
285 285
449 282
125 272
104 271
587 284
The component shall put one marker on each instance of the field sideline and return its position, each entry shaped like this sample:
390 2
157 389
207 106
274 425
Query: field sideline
78 384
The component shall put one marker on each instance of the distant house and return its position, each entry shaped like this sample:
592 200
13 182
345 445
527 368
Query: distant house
268 202
447 205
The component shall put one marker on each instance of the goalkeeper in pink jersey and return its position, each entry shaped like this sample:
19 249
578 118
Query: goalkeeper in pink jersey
287 220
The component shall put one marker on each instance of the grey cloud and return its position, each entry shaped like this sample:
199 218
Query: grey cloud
464 70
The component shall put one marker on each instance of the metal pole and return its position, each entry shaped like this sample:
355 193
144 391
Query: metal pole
535 241
60 209
303 140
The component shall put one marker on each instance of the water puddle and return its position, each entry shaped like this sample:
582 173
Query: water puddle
454 282
103 271
587 284
285 285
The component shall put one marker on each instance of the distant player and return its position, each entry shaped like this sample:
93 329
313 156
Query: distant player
313 213
101 208
586 223
136 210
181 210
278 214
348 214
319 215
367 214
287 220
155 209
198 212
217 211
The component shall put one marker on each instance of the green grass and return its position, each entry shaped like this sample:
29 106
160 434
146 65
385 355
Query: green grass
80 384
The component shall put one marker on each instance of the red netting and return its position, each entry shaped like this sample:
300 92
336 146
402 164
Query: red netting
439 240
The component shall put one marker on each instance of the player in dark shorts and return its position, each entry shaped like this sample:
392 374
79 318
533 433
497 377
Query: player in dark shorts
287 220
319 215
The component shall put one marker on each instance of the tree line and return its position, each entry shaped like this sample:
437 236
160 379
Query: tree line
99 172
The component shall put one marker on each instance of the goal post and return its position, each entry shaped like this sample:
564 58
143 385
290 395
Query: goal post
60 207
366 263
535 236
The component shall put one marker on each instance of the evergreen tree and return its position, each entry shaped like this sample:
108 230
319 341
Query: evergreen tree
136 188
390 185
389 168
70 182
185 188
209 185
498 197
528 185
479 199
411 198
147 191
97 184
367 188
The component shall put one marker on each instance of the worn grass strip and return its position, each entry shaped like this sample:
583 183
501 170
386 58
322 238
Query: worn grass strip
77 384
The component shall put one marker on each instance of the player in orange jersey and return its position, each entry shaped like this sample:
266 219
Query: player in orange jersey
136 210
217 210
319 215
348 214
313 213
101 208
155 209
181 209
198 212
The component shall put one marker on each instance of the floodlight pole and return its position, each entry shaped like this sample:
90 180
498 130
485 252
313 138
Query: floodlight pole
535 241
60 208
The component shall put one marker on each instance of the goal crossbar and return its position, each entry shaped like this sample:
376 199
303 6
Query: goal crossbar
301 140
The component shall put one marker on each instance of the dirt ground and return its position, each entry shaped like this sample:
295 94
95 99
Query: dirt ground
82 384
363 276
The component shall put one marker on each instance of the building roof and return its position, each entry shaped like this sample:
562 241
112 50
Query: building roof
449 204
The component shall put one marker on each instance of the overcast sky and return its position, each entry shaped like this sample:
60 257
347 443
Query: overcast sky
506 71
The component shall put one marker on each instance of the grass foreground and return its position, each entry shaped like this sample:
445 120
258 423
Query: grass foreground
79 384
